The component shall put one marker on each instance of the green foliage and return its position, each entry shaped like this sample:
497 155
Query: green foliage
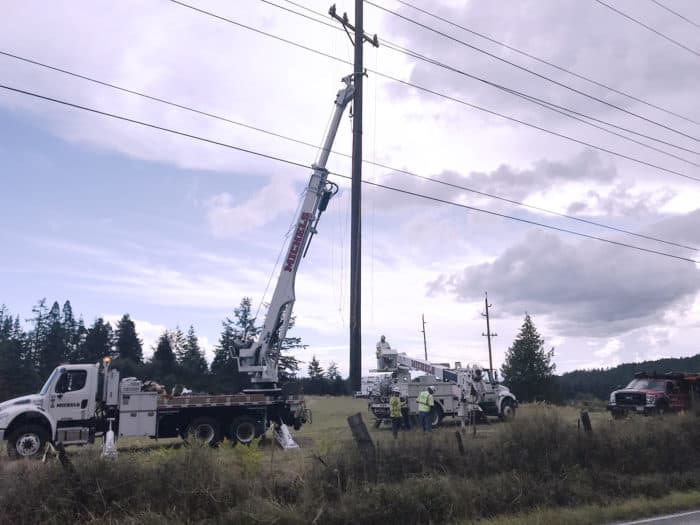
98 343
528 369
315 370
539 460
127 342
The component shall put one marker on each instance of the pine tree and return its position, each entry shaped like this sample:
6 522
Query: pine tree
70 331
528 369
332 371
163 356
128 345
177 339
98 344
17 376
315 370
288 365
194 366
37 337
54 350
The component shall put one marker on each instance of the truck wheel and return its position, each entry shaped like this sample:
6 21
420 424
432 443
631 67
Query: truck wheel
662 408
437 415
244 429
204 430
26 441
507 410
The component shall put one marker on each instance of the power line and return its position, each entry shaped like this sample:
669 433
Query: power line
655 31
568 112
301 165
676 13
437 93
378 164
532 72
546 62
541 102
562 110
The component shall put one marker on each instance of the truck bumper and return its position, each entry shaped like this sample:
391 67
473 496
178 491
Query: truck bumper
636 409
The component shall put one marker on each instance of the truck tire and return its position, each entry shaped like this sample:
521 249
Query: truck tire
244 430
662 408
204 430
507 410
436 416
27 441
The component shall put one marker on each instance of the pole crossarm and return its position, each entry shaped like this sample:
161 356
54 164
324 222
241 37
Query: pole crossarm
346 23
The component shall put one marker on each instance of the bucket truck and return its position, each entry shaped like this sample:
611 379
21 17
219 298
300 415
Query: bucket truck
81 401
459 392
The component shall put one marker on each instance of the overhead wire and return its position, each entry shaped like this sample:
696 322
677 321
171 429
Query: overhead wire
373 162
679 15
528 70
568 112
306 166
544 61
439 94
648 27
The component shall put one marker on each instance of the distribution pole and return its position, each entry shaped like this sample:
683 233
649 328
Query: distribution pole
356 195
425 343
488 333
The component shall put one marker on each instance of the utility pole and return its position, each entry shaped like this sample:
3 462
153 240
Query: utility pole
488 333
425 344
356 193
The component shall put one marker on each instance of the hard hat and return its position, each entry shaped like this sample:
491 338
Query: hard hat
431 389
396 390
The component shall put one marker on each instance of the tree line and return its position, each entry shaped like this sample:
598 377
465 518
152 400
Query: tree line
55 336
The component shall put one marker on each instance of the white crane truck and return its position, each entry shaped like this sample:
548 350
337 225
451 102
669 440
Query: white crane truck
79 402
459 392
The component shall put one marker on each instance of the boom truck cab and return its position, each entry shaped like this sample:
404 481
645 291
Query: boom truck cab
80 401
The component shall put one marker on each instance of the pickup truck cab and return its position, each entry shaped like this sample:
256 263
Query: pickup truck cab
654 394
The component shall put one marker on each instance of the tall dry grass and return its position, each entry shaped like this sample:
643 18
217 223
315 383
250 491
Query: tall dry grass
539 460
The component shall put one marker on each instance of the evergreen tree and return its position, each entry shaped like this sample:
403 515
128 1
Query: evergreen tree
177 339
17 376
79 343
128 345
70 331
194 366
98 343
528 369
288 365
37 337
164 356
332 371
54 351
315 370
224 367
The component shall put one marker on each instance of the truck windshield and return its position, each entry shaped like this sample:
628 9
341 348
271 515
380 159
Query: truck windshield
46 386
647 384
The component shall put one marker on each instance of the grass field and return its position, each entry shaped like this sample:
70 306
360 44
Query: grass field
541 468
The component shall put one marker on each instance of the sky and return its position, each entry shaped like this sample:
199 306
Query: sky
120 218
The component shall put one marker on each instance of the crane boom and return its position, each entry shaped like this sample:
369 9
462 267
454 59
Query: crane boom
261 359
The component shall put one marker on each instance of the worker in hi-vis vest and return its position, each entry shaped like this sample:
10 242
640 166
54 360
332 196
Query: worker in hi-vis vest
395 411
425 408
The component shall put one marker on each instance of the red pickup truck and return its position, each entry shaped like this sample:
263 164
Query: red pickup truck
656 394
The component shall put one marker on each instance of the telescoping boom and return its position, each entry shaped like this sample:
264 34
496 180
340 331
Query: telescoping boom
261 359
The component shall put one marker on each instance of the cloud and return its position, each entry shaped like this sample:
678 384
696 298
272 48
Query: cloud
229 218
622 201
585 289
147 331
587 167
